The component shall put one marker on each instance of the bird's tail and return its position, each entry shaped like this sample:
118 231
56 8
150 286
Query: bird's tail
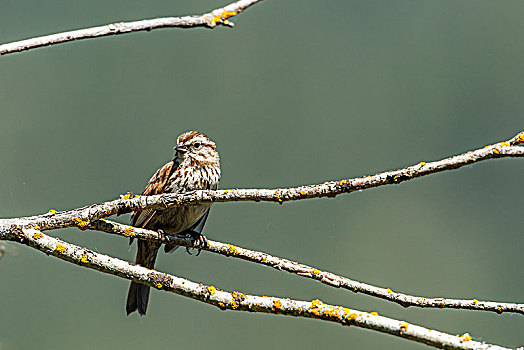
138 294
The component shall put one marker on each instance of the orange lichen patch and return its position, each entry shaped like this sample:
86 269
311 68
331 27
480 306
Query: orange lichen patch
521 137
475 301
226 191
499 309
84 258
277 304
126 196
343 182
422 163
503 144
221 305
158 285
263 259
212 290
238 298
496 151
303 193
232 250
38 235
316 312
37 227
81 224
52 211
316 303
128 232
466 337
227 14
60 248
332 312
316 272
278 197
374 313
352 316
404 327
390 291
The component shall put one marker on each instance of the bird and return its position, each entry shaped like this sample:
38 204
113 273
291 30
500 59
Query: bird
195 166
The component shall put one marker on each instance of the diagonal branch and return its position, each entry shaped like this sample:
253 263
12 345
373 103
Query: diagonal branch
55 220
207 20
302 270
236 300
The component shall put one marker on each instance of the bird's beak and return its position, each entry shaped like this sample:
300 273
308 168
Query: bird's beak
180 148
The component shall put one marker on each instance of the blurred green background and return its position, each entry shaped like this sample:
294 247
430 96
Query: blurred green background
299 92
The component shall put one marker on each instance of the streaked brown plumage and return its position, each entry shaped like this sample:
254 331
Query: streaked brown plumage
196 166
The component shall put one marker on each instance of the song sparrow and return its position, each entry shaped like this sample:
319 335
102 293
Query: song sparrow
196 166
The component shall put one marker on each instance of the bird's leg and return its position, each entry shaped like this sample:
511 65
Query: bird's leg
164 238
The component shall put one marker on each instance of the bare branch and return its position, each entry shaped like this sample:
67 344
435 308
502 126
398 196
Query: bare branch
208 20
307 271
27 231
236 300
55 220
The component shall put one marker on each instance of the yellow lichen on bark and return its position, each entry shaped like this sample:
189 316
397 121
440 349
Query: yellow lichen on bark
128 232
466 337
81 224
232 250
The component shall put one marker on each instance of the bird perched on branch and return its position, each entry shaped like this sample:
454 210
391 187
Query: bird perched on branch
196 166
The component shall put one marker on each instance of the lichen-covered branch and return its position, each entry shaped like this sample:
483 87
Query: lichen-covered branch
236 300
307 271
128 203
208 20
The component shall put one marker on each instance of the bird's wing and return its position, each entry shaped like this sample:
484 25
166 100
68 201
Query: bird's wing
196 228
156 185
199 225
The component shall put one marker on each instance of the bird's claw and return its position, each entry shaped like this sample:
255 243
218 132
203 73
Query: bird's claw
199 242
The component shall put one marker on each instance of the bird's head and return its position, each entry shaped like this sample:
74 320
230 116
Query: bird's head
195 146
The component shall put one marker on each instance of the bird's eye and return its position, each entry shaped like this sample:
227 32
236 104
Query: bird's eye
197 145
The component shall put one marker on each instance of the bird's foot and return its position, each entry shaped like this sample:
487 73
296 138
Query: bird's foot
199 242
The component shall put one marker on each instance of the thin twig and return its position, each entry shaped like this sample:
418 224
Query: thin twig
207 20
302 270
236 300
128 203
